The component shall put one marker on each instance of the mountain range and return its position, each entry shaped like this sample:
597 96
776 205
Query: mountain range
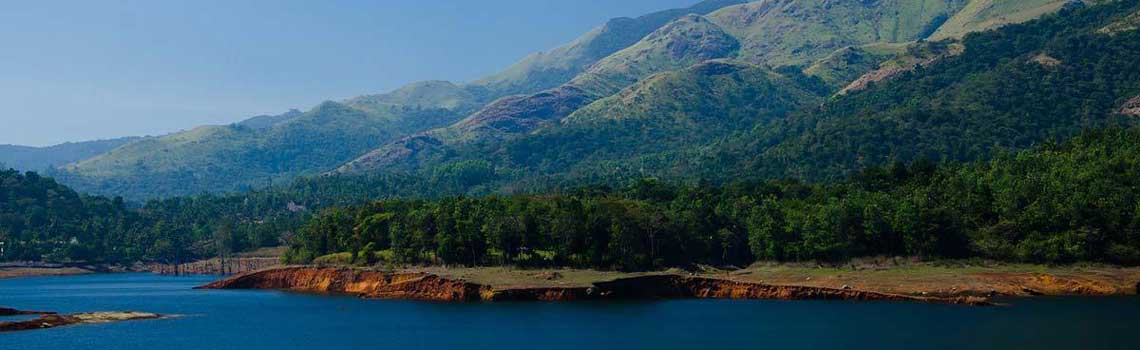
41 158
812 89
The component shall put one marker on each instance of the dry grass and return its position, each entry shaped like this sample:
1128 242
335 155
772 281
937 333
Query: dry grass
12 272
267 252
948 278
888 275
504 277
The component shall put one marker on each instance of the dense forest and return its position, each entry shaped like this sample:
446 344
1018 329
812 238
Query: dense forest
42 220
1059 203
1011 88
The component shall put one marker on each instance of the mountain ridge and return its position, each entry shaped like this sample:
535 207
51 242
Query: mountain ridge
422 123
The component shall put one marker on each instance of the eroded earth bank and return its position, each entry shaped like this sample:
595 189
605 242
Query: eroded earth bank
420 285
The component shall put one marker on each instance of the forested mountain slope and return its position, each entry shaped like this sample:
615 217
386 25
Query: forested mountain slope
428 124
40 217
658 117
681 43
235 157
766 33
1011 88
278 149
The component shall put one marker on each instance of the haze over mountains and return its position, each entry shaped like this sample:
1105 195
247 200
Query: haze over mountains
719 90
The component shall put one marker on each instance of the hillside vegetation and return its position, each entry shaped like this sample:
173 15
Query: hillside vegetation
997 94
278 149
546 70
242 156
797 32
981 15
681 43
40 158
428 125
1056 204
660 115
836 42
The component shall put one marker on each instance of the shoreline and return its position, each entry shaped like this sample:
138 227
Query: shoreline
954 285
27 272
939 280
956 279
41 269
424 286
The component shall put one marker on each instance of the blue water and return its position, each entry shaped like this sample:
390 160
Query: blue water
276 320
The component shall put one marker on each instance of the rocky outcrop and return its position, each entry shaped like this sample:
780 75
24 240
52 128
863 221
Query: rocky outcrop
901 65
1132 107
52 320
1045 60
424 286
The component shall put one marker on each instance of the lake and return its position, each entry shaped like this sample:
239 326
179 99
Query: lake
250 320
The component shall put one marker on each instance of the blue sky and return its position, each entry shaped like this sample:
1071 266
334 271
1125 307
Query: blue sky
83 70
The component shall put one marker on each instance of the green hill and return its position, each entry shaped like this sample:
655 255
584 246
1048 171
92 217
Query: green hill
681 43
424 94
235 157
1011 88
41 219
797 32
848 64
263 122
665 113
40 158
276 149
835 41
980 15
428 124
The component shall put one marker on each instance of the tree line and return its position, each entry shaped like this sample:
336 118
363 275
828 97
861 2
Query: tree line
43 220
1059 203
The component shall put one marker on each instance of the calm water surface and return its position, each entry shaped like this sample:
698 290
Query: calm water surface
251 320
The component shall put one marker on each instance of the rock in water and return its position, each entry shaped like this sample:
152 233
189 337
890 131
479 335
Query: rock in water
52 320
